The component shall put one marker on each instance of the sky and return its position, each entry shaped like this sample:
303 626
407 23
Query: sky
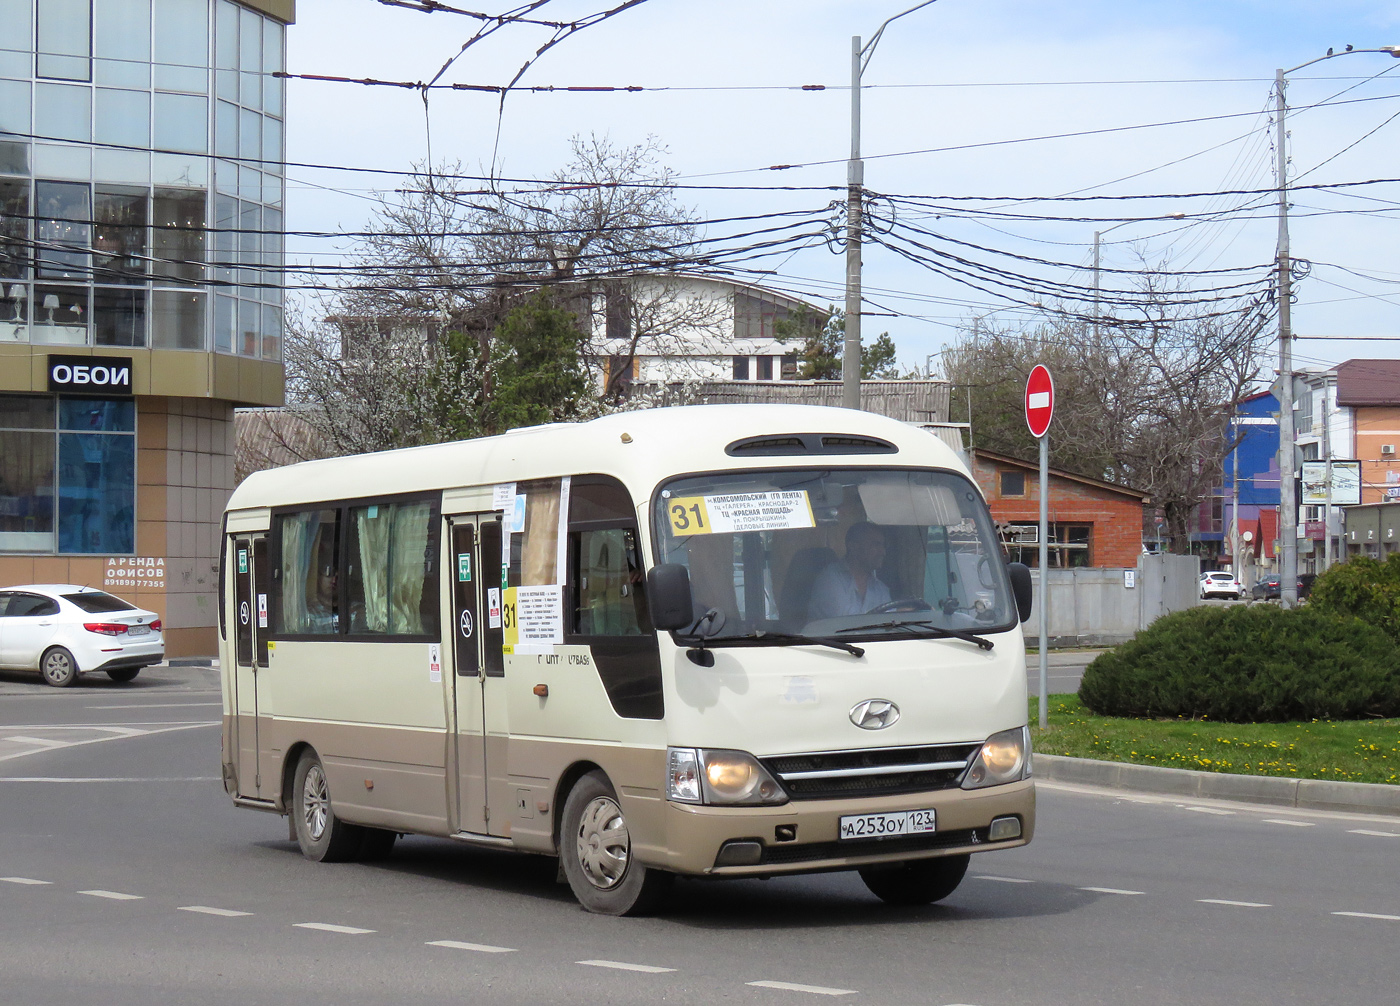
957 102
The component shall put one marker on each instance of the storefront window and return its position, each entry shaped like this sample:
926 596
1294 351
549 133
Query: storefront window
67 475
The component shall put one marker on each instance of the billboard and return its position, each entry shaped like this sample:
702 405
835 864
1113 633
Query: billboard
1346 483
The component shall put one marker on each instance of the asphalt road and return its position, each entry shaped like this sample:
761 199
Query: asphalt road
126 877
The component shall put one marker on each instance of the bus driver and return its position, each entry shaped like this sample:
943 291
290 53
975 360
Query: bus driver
850 587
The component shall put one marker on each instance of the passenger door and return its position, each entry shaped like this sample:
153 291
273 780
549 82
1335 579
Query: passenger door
478 736
250 628
30 624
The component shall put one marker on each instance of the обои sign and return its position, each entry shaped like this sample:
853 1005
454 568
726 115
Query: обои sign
91 375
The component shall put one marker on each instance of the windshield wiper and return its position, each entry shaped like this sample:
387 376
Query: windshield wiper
793 639
932 631
762 635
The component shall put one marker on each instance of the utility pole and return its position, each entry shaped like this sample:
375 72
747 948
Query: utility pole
1327 453
855 188
855 191
1287 504
1235 497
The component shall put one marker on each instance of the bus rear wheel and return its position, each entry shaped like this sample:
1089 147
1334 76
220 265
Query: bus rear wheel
323 837
595 849
921 882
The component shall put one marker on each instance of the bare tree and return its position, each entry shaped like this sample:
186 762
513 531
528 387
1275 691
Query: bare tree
1144 402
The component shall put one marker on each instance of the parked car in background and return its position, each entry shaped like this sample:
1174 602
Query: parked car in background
1267 589
62 630
1220 583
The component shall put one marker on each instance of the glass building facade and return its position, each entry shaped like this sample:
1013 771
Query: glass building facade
142 194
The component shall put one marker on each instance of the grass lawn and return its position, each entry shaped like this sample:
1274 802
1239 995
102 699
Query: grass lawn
1347 750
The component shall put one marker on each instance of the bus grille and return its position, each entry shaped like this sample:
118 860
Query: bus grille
871 772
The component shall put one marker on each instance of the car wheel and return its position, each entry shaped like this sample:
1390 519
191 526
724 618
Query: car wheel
123 673
323 837
921 882
595 849
58 667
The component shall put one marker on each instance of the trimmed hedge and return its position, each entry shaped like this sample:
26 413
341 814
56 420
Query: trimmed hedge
1362 588
1248 664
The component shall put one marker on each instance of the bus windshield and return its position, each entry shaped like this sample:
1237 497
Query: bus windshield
855 552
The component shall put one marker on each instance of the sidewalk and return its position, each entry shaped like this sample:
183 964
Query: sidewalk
1312 794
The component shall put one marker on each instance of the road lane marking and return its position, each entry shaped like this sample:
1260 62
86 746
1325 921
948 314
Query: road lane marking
1108 890
1369 915
69 778
1001 880
24 880
114 895
42 742
117 733
1237 904
159 705
327 927
1211 810
794 987
1291 824
481 948
226 913
1377 834
620 966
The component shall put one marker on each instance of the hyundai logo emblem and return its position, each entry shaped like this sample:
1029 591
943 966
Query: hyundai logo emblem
874 714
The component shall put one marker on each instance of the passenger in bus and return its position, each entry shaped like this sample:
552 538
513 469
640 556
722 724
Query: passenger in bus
851 586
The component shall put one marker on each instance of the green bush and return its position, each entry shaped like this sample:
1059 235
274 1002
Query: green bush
1255 664
1362 588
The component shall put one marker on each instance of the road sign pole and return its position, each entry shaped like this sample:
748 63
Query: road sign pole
1044 576
1040 409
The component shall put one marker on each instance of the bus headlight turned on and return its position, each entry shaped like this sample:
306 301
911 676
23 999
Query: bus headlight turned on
719 777
1005 757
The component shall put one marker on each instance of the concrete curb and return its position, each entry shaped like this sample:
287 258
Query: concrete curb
1311 794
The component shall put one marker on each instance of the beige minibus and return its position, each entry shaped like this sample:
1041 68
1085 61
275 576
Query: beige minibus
717 641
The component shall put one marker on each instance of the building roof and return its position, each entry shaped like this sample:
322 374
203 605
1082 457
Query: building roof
1368 382
1137 495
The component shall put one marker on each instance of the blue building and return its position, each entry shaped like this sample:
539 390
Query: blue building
1252 467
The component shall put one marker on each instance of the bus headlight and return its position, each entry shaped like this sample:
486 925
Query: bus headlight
1005 757
719 777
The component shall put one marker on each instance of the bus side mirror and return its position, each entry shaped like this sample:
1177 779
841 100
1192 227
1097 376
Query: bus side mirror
668 596
1021 588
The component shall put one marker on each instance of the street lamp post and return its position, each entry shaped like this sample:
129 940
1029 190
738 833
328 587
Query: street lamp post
1287 504
855 189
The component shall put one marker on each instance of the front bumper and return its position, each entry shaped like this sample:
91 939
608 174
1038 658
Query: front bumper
695 834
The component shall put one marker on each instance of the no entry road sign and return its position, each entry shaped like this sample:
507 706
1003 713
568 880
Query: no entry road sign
1040 401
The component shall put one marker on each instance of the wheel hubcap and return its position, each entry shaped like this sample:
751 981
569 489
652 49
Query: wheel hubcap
603 845
56 667
315 803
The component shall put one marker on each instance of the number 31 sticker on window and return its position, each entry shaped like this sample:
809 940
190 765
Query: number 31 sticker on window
739 512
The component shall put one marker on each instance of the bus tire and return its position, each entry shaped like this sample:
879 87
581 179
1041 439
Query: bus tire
595 850
920 882
323 837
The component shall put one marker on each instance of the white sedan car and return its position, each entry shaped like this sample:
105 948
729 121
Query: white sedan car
62 630
1221 584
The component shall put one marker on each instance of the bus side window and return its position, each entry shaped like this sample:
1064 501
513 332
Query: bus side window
607 587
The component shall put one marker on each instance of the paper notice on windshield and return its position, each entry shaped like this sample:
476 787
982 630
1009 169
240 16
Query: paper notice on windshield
739 512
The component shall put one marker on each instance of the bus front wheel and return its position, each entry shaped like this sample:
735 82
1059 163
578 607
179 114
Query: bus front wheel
595 849
921 882
323 837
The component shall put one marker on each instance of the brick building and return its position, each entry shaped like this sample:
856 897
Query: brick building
1091 522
